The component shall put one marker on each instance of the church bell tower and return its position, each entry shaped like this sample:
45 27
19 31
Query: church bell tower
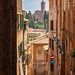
43 7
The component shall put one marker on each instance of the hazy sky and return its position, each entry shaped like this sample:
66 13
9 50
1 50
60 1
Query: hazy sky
32 5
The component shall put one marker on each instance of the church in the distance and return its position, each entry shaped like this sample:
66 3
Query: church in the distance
39 14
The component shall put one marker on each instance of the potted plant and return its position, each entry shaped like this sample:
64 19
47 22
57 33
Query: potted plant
73 54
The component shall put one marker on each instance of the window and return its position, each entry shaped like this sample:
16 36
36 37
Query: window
46 56
39 51
51 27
64 17
56 26
52 67
50 42
29 36
74 3
24 26
66 43
34 35
52 45
52 3
37 19
56 2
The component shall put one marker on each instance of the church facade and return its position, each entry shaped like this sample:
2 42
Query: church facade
39 14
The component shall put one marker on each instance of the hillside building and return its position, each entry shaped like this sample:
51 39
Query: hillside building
39 14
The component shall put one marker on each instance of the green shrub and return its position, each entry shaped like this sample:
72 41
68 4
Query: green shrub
73 54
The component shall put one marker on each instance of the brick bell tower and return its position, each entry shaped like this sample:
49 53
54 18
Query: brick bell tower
43 7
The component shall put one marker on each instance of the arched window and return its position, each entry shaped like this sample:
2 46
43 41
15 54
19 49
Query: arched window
34 35
29 36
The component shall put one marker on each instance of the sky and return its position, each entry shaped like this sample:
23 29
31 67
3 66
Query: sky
33 5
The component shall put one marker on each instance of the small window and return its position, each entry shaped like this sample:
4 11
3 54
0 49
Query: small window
52 67
39 51
50 42
51 26
34 35
37 19
52 45
56 2
52 3
66 42
46 56
29 35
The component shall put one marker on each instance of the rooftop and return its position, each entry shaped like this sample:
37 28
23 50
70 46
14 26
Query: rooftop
39 30
34 32
40 41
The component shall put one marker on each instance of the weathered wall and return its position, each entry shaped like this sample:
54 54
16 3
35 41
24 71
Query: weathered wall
19 6
8 37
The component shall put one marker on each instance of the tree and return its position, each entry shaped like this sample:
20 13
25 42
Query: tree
26 15
46 18
45 15
34 18
31 23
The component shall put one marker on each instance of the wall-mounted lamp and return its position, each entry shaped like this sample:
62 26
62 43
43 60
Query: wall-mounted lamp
54 34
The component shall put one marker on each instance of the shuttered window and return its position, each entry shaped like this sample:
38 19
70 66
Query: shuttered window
20 50
18 18
22 21
52 45
23 58
50 42
51 26
52 67
46 56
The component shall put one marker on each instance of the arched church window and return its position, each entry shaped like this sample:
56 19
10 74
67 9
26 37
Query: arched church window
34 35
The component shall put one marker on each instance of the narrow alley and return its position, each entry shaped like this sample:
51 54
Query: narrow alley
37 37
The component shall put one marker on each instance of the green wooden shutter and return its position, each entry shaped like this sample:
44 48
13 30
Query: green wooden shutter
23 58
20 50
22 21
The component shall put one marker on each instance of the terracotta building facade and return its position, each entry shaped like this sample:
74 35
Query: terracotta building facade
52 42
65 30
39 61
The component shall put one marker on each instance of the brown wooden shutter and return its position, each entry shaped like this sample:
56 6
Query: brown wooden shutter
50 42
52 67
51 27
52 45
